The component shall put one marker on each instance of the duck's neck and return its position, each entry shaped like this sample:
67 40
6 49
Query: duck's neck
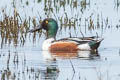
51 34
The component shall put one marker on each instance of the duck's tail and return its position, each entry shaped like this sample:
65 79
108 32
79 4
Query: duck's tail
94 44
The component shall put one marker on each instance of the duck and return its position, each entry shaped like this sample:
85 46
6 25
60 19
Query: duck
69 45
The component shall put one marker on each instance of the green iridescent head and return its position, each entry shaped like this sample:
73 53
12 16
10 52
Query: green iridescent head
51 26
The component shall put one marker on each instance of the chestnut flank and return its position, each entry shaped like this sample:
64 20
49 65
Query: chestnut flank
64 47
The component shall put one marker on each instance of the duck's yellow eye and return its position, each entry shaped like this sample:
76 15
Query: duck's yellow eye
46 21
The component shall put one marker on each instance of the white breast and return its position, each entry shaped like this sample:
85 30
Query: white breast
47 43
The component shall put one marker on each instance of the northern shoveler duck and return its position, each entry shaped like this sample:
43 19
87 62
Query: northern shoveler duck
66 44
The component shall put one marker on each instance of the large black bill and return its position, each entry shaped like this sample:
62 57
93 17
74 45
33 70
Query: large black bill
39 27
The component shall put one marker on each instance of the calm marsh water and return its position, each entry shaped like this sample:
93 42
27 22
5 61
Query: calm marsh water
75 18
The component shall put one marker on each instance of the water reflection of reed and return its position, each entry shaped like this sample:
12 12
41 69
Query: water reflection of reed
15 68
117 4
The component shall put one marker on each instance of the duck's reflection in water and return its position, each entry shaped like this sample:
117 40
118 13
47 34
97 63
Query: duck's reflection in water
50 71
67 55
87 54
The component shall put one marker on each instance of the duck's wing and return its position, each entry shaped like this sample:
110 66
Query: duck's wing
71 40
80 40
86 43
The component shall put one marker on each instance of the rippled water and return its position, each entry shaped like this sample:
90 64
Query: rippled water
91 17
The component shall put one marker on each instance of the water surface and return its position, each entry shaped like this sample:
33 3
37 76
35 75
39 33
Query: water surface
21 57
